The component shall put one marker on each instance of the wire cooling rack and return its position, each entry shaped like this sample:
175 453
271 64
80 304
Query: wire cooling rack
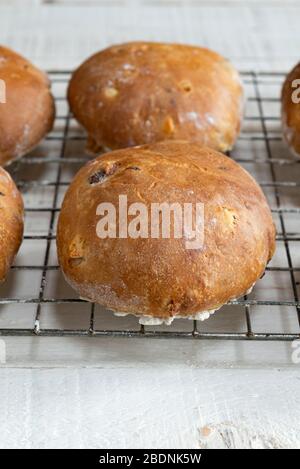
35 299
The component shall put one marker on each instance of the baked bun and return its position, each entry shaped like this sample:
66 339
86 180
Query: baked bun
156 277
138 93
291 109
11 222
28 113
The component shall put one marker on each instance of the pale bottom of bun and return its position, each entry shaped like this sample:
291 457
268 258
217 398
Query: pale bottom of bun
153 321
157 321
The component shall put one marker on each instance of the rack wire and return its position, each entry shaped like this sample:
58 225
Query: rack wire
34 303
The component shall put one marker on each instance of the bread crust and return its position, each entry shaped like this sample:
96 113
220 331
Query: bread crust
29 111
161 278
290 110
141 92
11 222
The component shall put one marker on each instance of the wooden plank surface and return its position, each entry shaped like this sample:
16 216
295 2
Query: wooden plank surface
251 34
164 407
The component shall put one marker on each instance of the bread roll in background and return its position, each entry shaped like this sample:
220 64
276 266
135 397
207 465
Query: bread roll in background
28 113
162 278
11 222
291 109
140 92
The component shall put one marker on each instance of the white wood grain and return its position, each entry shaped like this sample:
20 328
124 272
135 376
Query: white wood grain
160 407
58 36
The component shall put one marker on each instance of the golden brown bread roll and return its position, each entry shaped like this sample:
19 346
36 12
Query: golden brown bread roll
291 109
11 222
156 277
28 113
138 93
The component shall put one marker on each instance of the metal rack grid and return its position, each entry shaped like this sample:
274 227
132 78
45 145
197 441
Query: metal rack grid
261 127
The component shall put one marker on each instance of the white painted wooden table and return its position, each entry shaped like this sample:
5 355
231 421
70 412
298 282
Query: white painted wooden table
83 392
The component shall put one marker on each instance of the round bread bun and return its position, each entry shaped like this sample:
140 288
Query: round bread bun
156 277
27 114
141 92
291 109
11 222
